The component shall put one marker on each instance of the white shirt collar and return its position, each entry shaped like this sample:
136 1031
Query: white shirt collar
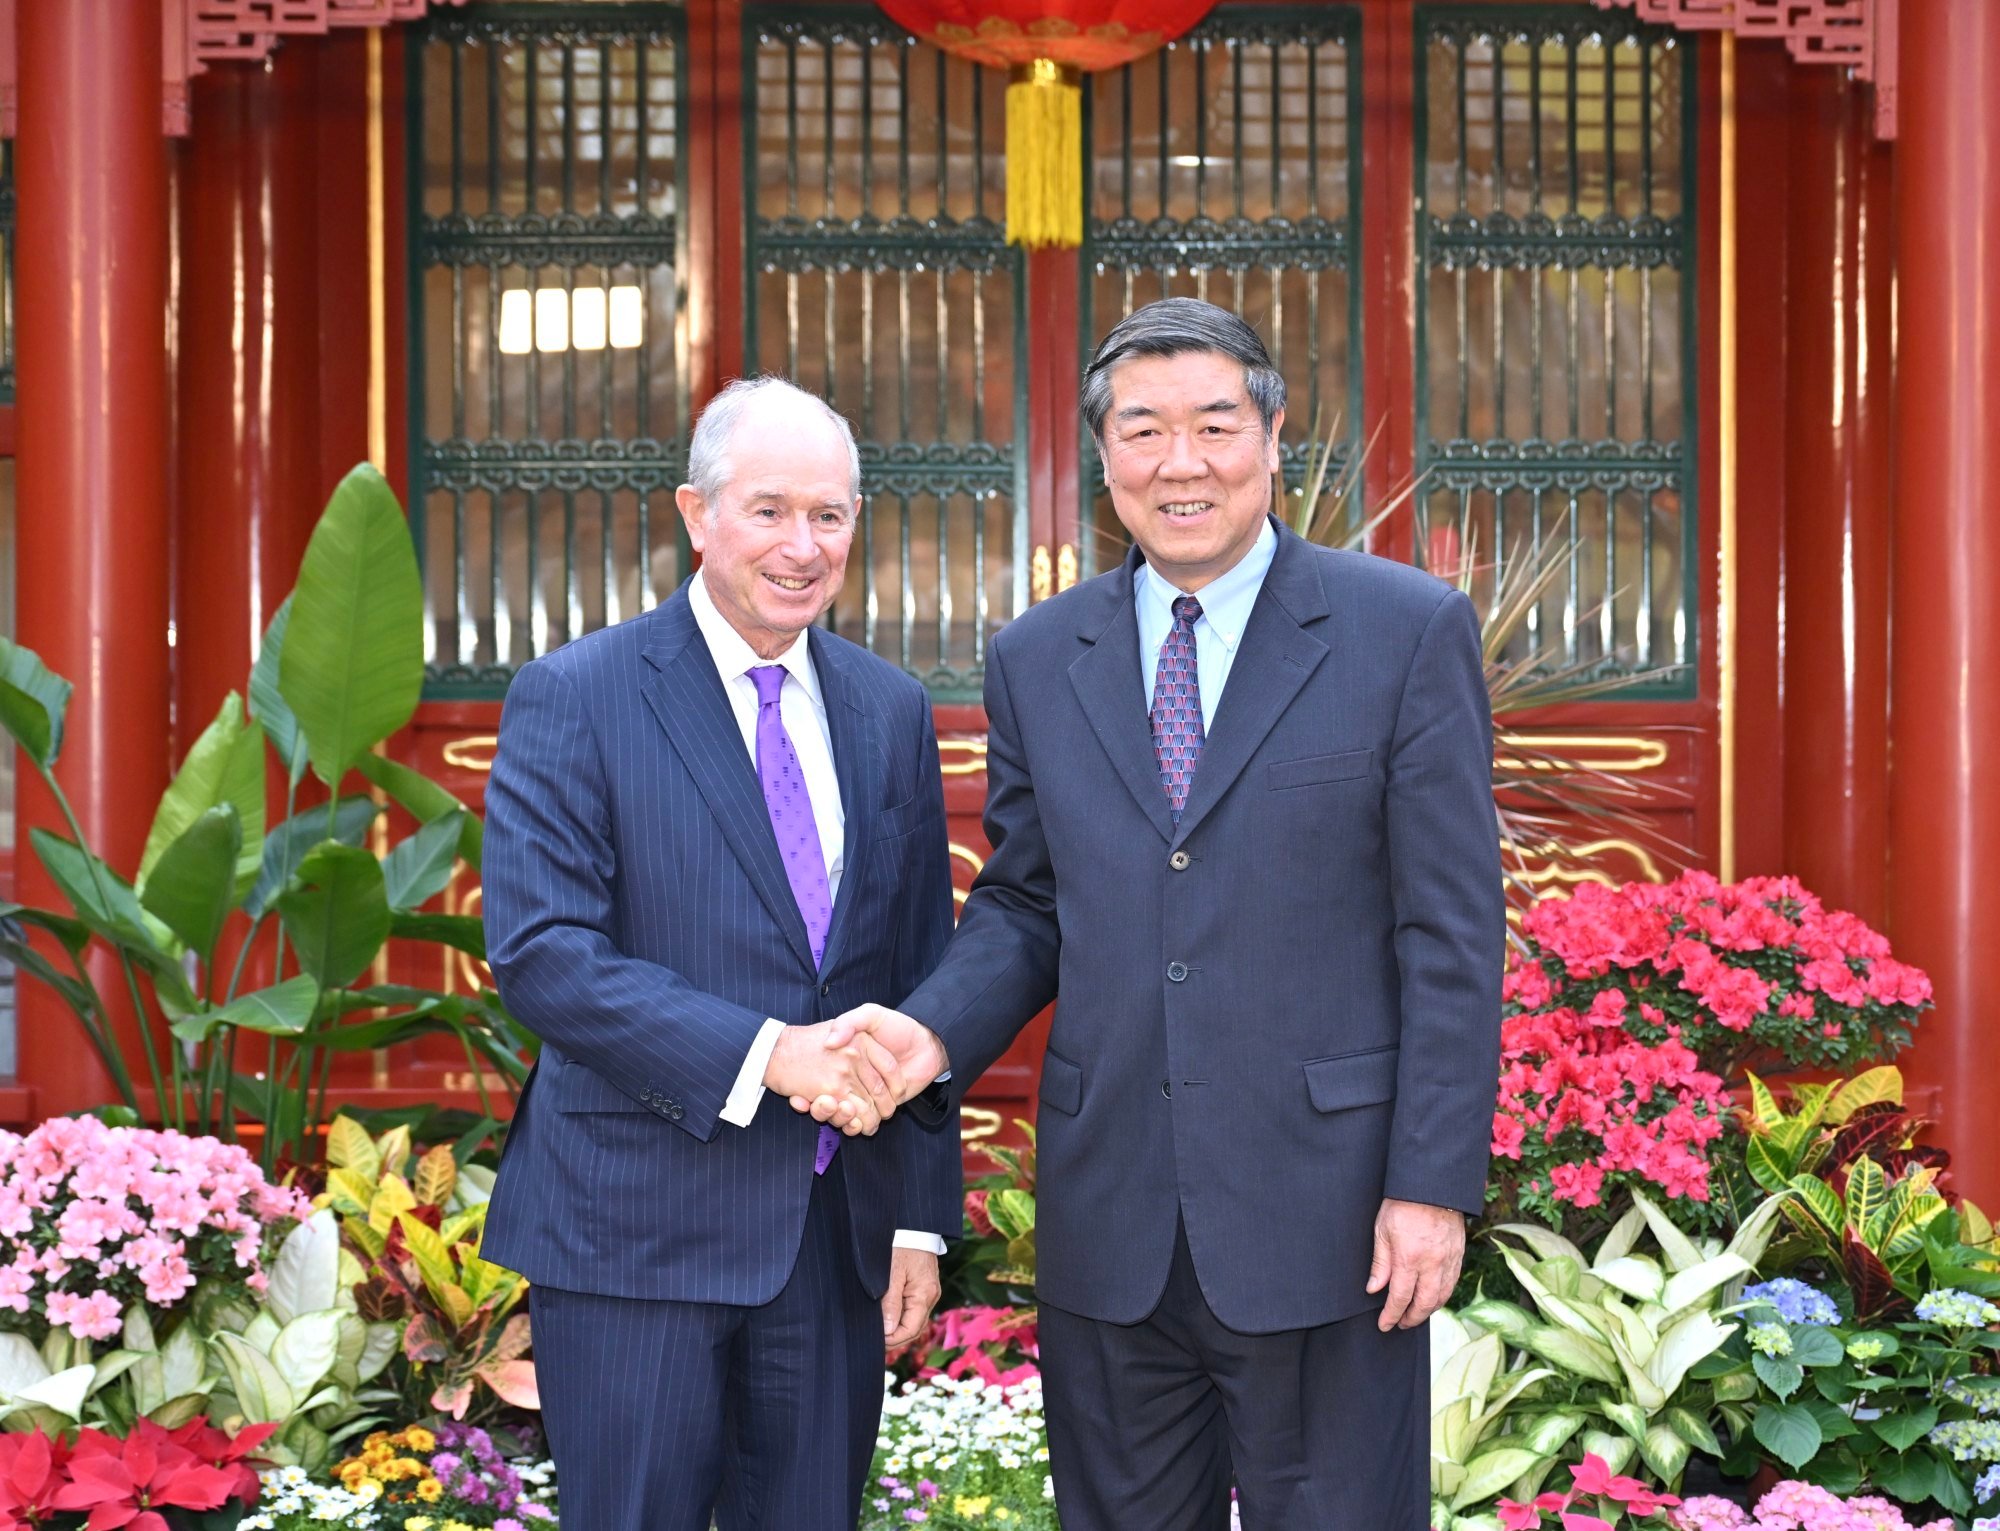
733 656
1226 600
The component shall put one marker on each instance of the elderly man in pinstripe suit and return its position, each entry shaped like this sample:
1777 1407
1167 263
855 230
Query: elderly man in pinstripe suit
710 830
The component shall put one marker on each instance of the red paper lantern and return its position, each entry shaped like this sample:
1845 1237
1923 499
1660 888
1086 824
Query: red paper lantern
1047 46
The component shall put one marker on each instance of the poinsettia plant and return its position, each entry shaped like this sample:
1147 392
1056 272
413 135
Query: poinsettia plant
153 1479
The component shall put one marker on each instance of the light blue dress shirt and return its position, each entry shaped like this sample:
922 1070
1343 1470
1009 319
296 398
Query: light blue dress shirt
1225 611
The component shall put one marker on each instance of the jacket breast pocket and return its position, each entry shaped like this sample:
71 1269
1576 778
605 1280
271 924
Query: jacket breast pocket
1312 770
1353 1079
894 823
1062 1084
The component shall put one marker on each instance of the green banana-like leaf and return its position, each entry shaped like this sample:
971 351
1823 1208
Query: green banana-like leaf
226 765
352 666
338 919
286 846
102 899
424 800
267 703
418 869
282 1010
466 932
193 884
34 702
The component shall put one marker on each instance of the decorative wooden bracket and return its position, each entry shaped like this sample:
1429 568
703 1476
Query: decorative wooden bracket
196 33
1856 34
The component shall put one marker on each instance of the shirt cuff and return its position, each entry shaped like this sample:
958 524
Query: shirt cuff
911 1238
748 1092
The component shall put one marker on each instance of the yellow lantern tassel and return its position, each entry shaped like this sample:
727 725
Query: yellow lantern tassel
1045 156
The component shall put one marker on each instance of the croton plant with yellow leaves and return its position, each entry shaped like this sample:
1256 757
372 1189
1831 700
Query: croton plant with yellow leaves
413 1219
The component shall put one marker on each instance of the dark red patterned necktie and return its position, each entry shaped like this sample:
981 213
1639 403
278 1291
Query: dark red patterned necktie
1177 730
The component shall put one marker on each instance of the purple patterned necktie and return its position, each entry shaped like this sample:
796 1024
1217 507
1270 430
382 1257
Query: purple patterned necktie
792 821
1177 730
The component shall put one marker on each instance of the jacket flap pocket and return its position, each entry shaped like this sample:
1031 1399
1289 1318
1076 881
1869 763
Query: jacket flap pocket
579 1088
1313 769
1353 1079
1062 1083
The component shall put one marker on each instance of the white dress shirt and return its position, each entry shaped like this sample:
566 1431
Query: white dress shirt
803 711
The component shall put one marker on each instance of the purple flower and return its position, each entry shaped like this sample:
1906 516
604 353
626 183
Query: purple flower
915 1515
927 1488
1796 1302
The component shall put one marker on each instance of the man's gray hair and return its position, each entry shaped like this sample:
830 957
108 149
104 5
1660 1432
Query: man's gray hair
708 450
1175 327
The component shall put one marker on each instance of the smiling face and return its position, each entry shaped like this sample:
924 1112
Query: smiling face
1188 462
774 538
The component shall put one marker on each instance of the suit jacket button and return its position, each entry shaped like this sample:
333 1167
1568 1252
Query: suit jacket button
825 989
1178 861
1176 972
1167 1088
675 1111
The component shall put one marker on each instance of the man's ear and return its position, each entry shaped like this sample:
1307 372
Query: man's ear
1271 439
694 512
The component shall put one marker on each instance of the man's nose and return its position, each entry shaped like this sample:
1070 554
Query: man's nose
799 544
1184 458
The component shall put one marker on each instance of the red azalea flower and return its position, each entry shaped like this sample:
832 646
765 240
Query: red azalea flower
128 1482
1519 1517
30 1472
1576 1520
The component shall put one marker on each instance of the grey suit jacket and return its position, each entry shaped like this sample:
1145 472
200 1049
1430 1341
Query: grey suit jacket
1283 1010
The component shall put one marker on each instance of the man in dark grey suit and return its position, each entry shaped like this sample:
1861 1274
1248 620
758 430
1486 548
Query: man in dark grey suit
1240 808
710 829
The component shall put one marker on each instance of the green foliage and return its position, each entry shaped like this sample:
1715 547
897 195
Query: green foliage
1861 1403
413 1222
1609 1358
340 669
352 669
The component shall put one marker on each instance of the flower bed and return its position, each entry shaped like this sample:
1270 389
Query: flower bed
961 1453
96 1218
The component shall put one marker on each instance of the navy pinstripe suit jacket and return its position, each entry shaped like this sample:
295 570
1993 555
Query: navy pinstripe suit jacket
639 920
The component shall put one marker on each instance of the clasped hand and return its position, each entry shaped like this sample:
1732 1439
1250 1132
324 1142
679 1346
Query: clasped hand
853 1071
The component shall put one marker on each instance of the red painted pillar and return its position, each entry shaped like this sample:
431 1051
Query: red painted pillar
1837 429
248 469
91 267
1944 822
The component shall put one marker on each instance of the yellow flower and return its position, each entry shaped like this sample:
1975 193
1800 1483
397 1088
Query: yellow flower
417 1438
418 1523
1003 1513
430 1491
375 1438
455 1525
972 1507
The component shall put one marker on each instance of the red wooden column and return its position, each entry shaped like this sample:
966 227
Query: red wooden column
1837 432
91 264
248 464
1944 816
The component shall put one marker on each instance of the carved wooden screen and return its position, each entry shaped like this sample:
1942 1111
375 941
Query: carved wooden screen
879 276
1555 237
548 388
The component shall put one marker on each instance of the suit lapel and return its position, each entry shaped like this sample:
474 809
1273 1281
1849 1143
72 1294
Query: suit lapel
1109 684
855 733
1278 655
687 698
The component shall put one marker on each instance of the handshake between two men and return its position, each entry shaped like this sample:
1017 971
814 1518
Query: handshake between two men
853 1071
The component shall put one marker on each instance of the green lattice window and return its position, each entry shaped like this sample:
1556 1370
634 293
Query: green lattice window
1252 201
1555 233
878 275
548 397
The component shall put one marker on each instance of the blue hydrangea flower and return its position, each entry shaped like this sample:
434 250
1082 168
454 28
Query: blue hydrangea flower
1968 1440
1796 1302
1988 1484
1957 1310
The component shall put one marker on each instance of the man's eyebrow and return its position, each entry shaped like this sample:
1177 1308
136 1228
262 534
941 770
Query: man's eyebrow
1215 407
